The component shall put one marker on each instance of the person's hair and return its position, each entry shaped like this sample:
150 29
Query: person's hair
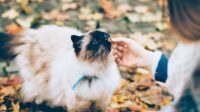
185 18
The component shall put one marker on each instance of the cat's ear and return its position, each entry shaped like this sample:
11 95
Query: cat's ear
98 25
76 38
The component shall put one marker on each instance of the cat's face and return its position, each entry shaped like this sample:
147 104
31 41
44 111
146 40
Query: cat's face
92 46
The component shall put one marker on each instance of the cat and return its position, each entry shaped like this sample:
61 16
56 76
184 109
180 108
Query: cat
64 67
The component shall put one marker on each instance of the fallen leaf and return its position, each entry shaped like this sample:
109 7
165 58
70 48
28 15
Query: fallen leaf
13 29
3 108
161 26
142 88
141 9
119 98
151 17
15 107
114 105
7 91
144 0
124 8
135 108
13 81
39 1
97 16
69 6
10 14
55 15
3 80
109 9
25 22
85 17
133 17
24 6
67 1
85 10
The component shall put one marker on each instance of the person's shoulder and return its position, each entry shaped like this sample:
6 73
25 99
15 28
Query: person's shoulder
189 50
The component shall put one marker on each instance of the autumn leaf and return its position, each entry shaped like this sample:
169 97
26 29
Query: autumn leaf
124 8
3 108
25 23
15 107
7 91
55 15
13 29
10 14
69 6
24 5
13 80
109 9
141 9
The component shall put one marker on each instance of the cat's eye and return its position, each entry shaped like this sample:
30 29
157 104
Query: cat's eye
94 41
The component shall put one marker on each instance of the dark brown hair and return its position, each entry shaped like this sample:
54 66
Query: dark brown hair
185 18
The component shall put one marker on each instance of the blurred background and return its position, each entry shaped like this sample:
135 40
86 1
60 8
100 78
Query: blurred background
145 21
130 18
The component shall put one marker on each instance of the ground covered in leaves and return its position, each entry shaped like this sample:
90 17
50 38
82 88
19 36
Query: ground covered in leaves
138 93
145 21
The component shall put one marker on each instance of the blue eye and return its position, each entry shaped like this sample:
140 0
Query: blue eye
94 41
105 35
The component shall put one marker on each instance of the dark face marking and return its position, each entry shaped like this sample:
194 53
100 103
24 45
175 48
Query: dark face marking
77 41
99 46
96 46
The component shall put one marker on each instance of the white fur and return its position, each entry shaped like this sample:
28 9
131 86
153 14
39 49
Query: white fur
64 69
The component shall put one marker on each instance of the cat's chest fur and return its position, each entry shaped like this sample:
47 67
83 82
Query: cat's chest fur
107 77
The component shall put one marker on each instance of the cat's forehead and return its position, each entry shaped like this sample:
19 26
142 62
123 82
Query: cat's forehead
93 34
97 33
102 30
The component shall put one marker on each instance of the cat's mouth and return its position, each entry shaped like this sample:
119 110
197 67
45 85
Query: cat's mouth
105 48
101 54
104 51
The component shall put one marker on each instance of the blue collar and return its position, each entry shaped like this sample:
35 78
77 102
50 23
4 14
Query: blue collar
78 81
89 78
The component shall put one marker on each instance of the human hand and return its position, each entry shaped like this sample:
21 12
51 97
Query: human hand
129 53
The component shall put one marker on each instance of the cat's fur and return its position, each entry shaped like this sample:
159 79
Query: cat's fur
51 59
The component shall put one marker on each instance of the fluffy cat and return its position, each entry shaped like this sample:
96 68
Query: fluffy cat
64 66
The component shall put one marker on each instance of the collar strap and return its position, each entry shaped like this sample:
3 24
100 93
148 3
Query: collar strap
89 78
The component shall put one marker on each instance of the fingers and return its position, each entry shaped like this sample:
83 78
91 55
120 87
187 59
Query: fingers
119 44
118 60
120 40
119 48
125 48
118 55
